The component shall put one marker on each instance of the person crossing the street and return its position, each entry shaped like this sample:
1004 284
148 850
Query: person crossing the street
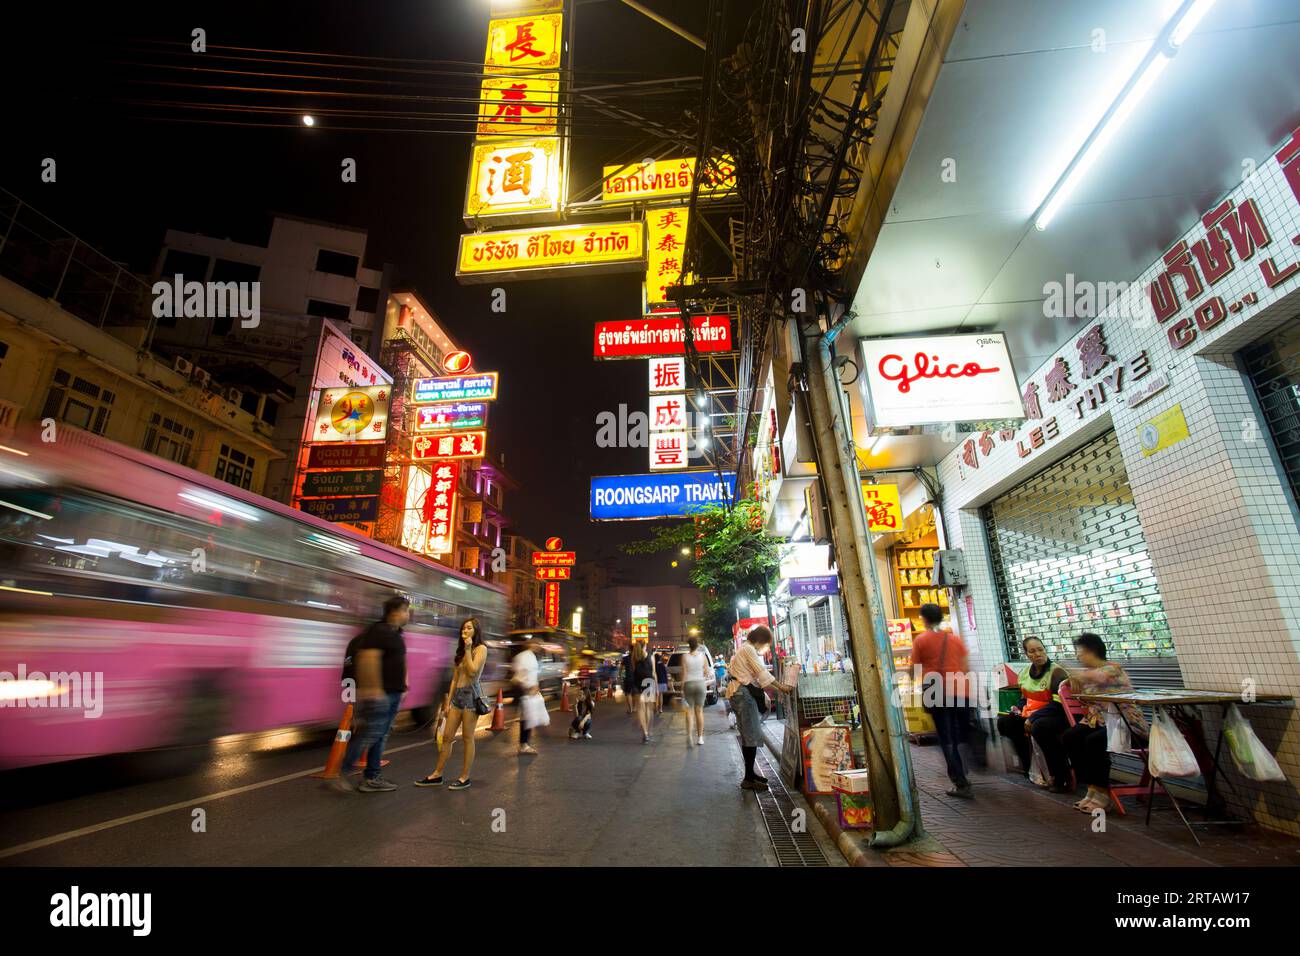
376 660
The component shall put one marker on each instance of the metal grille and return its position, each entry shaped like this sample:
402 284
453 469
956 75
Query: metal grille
1069 555
1274 369
777 808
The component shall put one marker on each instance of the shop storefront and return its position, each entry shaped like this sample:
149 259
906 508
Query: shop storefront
1273 365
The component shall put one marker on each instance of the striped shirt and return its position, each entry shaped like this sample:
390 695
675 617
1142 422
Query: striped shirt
748 668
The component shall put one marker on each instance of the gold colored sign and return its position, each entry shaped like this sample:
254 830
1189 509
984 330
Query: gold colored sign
551 250
519 105
665 238
514 178
525 43
884 510
665 178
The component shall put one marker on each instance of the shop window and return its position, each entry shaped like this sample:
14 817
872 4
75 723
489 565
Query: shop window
1069 555
168 439
1274 369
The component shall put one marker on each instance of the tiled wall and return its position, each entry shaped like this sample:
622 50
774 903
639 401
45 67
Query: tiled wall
1218 519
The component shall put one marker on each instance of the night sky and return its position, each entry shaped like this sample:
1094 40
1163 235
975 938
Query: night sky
91 91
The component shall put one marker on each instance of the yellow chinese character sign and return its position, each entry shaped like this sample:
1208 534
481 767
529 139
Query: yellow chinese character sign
524 43
665 178
884 511
546 251
665 247
519 105
510 180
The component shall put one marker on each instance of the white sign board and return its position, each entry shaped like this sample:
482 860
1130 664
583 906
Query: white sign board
667 450
804 559
668 412
667 374
939 379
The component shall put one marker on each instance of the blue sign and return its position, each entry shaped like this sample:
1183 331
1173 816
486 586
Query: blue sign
807 587
671 494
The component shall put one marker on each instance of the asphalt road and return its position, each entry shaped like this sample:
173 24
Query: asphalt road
606 801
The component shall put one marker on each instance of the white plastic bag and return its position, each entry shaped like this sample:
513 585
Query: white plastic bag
1248 753
1170 753
1039 774
1118 739
535 713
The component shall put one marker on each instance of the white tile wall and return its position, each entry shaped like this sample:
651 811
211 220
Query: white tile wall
1217 518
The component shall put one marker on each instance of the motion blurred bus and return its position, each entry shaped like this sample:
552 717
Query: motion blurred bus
203 609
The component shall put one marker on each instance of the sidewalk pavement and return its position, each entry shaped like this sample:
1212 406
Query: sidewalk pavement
1011 822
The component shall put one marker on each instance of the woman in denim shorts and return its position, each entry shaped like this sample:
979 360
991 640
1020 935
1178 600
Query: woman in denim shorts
460 705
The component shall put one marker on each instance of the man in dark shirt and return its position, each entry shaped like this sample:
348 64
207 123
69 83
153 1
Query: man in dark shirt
376 661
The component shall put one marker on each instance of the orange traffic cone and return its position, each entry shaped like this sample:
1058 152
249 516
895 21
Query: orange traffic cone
564 698
499 716
335 761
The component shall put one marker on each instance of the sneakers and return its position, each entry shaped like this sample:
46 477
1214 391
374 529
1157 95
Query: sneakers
378 785
430 782
344 783
528 749
755 784
586 736
459 785
962 790
573 735
700 741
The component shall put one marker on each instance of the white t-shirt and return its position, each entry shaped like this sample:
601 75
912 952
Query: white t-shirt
524 669
694 666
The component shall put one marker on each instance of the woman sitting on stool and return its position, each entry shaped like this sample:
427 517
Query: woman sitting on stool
1039 716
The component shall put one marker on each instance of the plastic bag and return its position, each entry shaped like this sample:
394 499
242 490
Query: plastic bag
1039 774
1248 753
1118 739
1170 754
535 713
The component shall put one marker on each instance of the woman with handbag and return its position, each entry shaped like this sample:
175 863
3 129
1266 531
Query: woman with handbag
644 687
464 704
745 692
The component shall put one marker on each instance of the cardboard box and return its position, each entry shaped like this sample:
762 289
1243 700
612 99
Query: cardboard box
850 781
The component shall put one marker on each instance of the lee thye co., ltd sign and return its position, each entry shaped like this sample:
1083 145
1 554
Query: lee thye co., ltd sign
666 495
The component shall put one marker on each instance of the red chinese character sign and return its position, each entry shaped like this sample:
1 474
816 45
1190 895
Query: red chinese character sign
439 507
553 565
454 445
667 374
552 604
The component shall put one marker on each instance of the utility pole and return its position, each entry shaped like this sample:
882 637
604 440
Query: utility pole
853 556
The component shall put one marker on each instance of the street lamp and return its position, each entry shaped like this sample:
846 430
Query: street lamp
686 551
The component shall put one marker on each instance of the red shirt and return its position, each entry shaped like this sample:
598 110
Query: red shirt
928 647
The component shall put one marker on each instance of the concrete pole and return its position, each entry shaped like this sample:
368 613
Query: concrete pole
852 554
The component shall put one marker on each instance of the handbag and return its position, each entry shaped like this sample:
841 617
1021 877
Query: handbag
481 707
1118 738
760 698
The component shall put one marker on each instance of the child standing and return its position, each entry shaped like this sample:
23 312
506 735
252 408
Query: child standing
586 707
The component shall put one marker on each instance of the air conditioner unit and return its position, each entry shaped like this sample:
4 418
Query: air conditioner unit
202 377
182 365
234 396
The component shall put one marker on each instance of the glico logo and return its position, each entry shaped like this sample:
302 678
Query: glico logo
456 361
905 376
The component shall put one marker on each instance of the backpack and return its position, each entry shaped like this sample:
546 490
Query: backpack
350 657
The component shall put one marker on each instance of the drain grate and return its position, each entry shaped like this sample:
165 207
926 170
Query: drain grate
778 807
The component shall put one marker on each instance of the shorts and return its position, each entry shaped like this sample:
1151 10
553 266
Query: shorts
693 693
463 699
663 688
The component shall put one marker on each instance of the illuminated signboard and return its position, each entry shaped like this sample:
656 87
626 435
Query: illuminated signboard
664 178
340 361
369 455
351 414
438 509
458 361
884 511
325 484
441 418
661 335
554 558
346 510
455 388
457 445
552 604
668 495
524 43
665 241
937 379
667 374
667 413
551 250
554 574
510 180
519 105
668 450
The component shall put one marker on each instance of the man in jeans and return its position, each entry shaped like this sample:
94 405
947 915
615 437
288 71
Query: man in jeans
378 660
941 657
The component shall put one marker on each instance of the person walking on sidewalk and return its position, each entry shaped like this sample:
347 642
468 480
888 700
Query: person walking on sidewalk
661 679
1039 717
745 691
695 666
523 674
376 659
644 688
630 690
464 704
941 657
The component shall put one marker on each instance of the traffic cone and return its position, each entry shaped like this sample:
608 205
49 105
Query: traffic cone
499 715
341 738
564 698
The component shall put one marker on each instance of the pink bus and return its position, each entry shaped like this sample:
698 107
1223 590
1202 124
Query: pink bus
147 607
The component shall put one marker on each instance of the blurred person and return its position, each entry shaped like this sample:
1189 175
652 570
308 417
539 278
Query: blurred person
695 667
661 681
1086 741
644 689
1039 715
584 710
630 689
751 676
376 660
464 704
719 672
523 677
941 658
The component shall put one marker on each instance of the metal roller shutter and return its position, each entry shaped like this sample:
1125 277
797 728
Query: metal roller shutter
1274 369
